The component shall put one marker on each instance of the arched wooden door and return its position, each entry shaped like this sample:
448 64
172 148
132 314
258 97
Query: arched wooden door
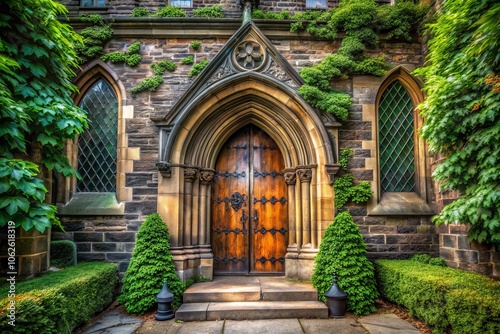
249 229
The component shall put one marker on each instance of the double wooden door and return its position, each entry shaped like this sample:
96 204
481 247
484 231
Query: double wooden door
249 229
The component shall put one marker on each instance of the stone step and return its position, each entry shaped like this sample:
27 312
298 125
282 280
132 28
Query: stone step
251 310
239 289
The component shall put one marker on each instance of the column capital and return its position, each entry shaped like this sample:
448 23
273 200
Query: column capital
305 174
190 174
206 175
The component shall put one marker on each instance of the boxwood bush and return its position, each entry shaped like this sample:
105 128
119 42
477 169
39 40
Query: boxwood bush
62 253
59 301
444 298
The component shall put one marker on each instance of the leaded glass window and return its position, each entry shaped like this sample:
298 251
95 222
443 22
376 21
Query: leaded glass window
181 3
97 145
316 4
396 141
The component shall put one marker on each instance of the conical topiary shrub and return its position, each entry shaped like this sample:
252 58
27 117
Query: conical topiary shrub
343 250
150 266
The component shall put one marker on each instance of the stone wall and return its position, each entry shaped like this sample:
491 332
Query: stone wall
112 238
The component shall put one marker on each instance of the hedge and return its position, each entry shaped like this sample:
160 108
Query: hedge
443 297
62 253
59 301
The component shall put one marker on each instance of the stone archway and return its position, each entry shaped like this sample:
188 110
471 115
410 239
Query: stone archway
193 145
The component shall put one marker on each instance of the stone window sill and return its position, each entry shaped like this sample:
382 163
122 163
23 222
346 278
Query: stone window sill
92 204
401 204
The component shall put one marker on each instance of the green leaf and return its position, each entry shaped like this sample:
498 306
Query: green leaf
13 204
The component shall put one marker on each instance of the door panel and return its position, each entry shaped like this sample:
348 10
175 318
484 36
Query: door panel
270 206
249 215
230 202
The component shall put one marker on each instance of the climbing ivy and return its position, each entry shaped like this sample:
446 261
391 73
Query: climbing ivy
209 12
361 21
461 113
140 12
154 82
170 11
132 57
94 37
195 45
37 113
189 60
345 188
197 68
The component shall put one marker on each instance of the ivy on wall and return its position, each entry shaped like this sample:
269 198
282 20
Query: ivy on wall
345 188
154 82
132 57
94 37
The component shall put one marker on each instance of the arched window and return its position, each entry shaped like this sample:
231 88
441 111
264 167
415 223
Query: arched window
396 140
402 185
97 146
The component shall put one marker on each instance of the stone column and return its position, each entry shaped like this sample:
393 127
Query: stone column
190 175
305 176
290 179
206 256
206 177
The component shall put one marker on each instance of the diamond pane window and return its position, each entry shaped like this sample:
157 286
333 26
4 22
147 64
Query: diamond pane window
97 145
396 143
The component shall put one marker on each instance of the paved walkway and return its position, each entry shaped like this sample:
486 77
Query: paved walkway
114 322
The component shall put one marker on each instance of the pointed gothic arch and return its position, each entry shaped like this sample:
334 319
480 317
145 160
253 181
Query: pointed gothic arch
414 202
191 147
69 204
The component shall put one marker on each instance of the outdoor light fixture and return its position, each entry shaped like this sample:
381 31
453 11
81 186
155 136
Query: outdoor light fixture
336 300
164 299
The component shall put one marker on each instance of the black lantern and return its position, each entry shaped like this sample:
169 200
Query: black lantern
164 299
336 300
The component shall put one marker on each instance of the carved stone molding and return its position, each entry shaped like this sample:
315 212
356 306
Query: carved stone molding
164 168
223 71
190 174
305 174
249 56
206 176
290 177
332 170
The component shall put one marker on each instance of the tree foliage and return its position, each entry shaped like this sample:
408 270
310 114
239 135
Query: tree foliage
150 266
37 59
462 112
343 251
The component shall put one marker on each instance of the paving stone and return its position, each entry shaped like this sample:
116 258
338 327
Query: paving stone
205 327
114 322
274 326
331 326
387 324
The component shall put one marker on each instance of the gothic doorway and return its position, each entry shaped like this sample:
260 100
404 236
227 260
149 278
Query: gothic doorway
249 226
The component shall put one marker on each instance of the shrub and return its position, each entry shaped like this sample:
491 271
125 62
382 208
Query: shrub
189 60
197 68
60 301
210 12
150 266
140 12
170 11
426 258
443 297
343 251
62 253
